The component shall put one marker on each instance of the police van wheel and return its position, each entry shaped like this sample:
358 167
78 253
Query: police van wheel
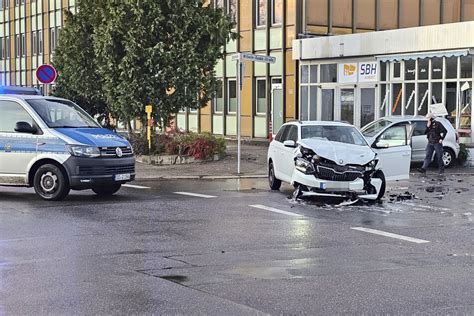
50 183
107 190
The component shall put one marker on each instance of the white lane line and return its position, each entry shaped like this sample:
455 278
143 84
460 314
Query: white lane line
275 210
391 235
135 186
196 195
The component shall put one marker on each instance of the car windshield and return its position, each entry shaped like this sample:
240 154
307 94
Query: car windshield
62 114
375 127
341 134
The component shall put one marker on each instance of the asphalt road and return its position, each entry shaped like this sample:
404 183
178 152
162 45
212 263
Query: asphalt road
239 249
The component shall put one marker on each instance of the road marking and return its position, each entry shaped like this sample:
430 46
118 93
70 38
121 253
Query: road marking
275 210
391 235
135 186
196 195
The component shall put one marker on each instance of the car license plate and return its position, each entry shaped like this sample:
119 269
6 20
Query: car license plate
122 177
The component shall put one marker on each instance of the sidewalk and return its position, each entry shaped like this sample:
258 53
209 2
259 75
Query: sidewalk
253 165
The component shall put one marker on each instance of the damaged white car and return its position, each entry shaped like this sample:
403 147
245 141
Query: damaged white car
334 159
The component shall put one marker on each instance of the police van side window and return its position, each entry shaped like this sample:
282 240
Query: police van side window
12 113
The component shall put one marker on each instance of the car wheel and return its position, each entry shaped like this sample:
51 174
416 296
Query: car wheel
274 183
379 175
448 157
107 189
50 183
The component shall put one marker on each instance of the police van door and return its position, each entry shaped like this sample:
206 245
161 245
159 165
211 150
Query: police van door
17 149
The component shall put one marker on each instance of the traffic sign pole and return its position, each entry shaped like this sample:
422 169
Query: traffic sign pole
239 87
239 58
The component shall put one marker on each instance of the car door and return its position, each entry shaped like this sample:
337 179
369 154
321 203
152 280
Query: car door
418 141
394 152
288 153
16 149
276 152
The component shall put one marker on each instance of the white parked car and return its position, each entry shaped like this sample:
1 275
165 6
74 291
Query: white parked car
334 159
386 126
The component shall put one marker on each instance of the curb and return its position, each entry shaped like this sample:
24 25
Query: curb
202 177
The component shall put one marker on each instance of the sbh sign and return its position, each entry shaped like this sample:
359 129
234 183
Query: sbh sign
358 72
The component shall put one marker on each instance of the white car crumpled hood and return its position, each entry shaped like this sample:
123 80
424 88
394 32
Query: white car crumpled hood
340 153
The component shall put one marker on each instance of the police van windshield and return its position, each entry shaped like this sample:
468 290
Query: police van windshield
62 114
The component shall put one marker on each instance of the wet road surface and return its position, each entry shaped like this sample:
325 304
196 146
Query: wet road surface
233 247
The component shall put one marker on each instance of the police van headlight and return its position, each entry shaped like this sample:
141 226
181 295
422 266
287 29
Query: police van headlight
83 151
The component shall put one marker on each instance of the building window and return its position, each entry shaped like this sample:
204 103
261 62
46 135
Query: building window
23 45
17 45
466 67
219 99
277 12
34 43
219 3
423 68
342 13
451 67
2 48
261 96
437 68
40 42
232 9
261 12
329 73
410 69
7 47
232 96
52 39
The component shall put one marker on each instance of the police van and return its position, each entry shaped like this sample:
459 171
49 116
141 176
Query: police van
54 146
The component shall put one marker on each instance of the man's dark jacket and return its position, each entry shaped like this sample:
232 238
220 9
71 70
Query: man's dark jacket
435 132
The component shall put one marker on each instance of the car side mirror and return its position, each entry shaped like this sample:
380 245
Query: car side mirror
289 143
24 127
380 144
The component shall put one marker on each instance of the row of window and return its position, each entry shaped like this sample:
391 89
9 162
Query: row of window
384 14
276 11
231 97
436 68
36 43
6 3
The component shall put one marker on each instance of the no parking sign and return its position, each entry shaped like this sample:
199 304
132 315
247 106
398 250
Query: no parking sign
46 74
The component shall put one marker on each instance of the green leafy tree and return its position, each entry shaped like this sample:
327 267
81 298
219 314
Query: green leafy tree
78 79
148 52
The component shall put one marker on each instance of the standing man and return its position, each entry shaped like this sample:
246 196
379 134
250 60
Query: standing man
435 132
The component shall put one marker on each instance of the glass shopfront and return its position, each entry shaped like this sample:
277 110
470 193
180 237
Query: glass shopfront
360 91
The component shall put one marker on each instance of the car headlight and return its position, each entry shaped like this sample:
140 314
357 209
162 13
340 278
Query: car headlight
304 166
83 151
371 165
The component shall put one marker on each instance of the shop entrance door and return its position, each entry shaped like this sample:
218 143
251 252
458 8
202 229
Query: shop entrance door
347 104
327 104
277 107
366 106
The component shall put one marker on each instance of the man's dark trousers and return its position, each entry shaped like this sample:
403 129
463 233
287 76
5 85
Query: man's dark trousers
438 148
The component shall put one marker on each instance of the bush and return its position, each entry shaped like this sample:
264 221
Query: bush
199 146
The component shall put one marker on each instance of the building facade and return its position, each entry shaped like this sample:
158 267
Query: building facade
351 60
29 30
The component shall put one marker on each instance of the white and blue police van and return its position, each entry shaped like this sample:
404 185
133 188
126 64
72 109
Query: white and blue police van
54 146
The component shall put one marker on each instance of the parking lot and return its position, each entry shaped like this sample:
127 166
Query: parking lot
234 247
